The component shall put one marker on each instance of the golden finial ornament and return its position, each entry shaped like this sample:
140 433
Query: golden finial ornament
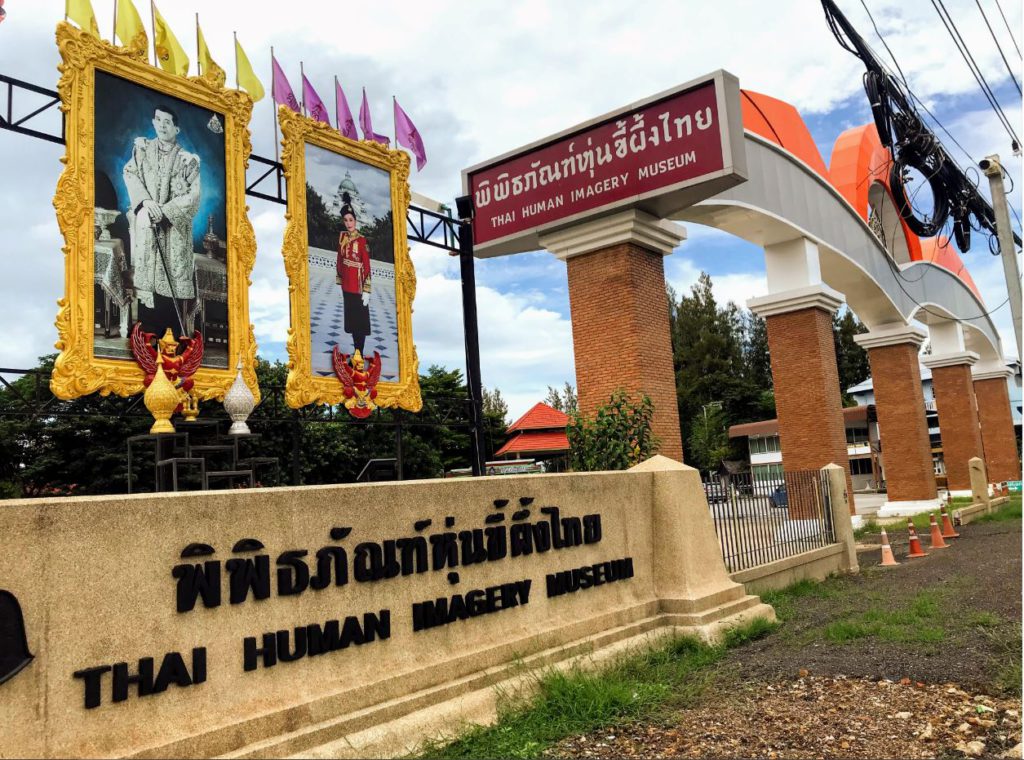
161 399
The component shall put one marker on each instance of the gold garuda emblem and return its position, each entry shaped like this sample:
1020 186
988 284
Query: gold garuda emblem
177 360
358 380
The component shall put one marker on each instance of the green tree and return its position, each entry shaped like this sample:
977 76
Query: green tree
709 439
321 225
851 359
563 400
68 447
495 421
617 437
709 359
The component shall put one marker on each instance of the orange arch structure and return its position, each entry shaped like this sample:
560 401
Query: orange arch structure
859 163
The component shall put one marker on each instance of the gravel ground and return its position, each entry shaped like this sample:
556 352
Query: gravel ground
820 716
799 693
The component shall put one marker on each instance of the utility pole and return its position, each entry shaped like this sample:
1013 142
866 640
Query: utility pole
1008 251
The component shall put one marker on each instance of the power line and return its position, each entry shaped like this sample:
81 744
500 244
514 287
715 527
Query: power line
1008 30
906 83
972 65
999 47
910 91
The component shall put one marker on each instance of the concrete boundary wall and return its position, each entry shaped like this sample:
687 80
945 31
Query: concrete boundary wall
815 565
272 621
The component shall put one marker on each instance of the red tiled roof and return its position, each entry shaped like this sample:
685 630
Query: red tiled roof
770 427
540 417
532 440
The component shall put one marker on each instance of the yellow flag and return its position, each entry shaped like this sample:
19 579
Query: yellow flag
247 78
169 51
207 65
129 24
80 11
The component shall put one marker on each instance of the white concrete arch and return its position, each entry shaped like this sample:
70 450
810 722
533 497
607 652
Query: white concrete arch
785 199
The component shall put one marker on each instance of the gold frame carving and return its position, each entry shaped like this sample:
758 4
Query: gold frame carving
303 387
78 371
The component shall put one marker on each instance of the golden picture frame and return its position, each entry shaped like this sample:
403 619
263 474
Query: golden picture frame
87 364
317 156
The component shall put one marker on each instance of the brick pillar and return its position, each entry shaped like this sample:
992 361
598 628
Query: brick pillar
807 396
958 415
997 434
902 424
619 310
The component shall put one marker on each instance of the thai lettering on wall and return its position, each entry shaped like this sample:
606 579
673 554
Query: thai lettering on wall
250 576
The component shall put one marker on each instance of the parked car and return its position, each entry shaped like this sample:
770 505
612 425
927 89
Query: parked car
779 498
716 493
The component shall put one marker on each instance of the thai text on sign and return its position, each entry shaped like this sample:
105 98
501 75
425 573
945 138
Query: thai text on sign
673 141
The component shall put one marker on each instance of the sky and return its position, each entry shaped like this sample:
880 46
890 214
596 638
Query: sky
482 78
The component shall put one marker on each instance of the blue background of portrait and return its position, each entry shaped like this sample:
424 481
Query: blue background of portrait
124 111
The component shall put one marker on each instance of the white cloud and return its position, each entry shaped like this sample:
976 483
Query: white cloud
738 287
480 79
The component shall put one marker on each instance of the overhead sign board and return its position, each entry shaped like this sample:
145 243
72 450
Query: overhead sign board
659 155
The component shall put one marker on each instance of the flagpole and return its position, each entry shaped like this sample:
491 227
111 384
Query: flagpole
273 109
394 120
302 74
337 117
113 36
199 57
237 85
152 20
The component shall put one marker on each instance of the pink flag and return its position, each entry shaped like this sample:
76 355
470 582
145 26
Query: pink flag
366 123
283 94
408 136
314 105
346 122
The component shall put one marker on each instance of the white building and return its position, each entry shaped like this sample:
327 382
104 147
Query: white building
863 436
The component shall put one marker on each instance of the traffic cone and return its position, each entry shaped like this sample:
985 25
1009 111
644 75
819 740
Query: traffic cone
915 542
887 559
948 531
937 542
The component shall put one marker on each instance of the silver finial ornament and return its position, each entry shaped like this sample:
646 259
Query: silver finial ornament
239 403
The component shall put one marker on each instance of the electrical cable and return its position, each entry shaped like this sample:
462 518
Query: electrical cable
972 65
1008 30
912 145
999 48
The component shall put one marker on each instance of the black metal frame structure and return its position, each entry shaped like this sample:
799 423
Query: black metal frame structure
422 226
451 412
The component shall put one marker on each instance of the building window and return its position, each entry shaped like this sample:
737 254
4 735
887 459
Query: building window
860 466
856 435
767 473
764 444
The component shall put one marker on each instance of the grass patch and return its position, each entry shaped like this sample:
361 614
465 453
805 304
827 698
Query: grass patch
786 600
922 522
1009 511
916 621
984 620
576 701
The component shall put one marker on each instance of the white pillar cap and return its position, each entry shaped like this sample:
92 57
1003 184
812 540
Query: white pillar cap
631 226
935 361
818 296
891 335
991 370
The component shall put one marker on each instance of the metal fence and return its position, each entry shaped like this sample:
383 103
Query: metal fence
760 521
